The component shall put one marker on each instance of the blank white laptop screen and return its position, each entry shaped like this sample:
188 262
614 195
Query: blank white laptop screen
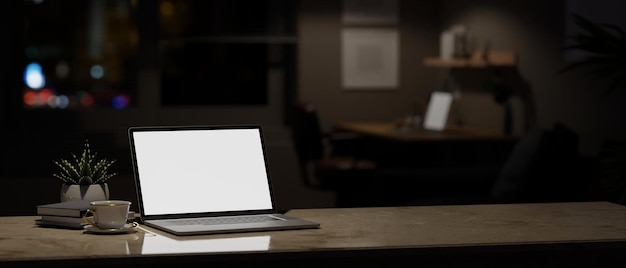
224 169
437 111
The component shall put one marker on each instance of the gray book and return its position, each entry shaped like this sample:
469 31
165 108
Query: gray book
69 209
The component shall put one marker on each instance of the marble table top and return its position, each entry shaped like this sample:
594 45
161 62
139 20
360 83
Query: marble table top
341 229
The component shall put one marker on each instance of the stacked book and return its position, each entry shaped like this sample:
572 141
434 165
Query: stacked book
63 214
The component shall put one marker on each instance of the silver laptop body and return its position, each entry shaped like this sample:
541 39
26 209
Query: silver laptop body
195 180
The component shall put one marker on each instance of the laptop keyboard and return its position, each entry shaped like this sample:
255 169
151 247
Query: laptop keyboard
222 220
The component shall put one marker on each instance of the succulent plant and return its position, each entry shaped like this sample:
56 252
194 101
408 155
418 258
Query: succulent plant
84 170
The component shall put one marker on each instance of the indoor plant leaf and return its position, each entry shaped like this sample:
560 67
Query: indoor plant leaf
86 169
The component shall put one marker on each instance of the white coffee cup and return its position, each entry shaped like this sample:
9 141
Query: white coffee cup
108 214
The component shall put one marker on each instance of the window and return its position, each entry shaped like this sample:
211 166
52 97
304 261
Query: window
85 57
221 52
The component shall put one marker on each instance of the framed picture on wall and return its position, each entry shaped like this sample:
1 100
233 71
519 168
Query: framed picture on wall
370 58
370 12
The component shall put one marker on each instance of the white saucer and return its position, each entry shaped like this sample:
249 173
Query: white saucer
127 229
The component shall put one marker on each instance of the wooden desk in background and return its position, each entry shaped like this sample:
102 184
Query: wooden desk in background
585 234
416 164
388 144
391 132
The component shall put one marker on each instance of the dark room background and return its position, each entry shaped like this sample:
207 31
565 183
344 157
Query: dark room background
119 63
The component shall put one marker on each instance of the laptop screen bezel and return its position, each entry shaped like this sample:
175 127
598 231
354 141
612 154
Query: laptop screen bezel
134 129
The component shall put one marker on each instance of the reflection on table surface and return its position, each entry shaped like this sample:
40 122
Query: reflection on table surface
147 241
159 244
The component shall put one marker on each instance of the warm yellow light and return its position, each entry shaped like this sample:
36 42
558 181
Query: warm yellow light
167 8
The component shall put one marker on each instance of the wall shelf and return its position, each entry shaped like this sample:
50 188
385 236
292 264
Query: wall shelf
477 60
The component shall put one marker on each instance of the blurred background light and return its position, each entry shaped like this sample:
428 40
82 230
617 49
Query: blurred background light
120 101
34 77
97 71
167 8
30 98
61 101
84 98
62 70
45 94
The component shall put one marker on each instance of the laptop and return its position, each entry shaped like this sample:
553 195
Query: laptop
194 180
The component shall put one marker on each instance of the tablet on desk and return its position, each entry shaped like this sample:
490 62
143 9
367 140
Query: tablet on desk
437 110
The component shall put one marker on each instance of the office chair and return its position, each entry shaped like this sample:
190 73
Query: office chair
326 160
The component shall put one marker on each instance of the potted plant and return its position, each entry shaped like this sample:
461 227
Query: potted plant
84 177
603 48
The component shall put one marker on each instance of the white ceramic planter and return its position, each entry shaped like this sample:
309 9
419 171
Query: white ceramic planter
94 192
